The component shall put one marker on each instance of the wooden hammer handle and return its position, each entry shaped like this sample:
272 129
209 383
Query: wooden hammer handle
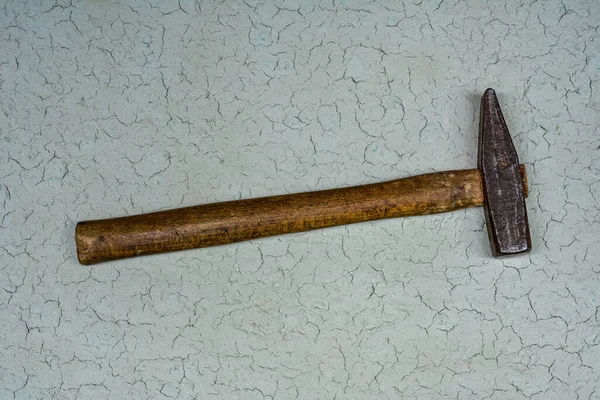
234 221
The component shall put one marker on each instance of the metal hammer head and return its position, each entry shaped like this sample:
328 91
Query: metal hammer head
504 201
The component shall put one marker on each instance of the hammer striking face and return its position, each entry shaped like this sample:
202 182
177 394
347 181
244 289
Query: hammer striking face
504 199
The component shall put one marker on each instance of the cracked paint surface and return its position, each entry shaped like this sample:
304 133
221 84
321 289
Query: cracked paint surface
109 109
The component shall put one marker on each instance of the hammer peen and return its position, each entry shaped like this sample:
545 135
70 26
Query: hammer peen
499 184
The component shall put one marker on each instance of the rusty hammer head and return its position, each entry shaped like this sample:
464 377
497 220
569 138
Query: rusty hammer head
504 199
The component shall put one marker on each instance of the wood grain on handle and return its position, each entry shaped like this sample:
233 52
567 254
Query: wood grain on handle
234 221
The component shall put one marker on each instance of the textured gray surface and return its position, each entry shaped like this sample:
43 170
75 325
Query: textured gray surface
110 109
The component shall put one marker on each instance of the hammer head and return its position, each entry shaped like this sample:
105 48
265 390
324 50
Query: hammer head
504 201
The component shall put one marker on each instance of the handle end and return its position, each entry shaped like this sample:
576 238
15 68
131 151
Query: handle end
87 245
81 246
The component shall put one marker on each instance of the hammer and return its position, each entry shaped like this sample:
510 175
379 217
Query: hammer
499 184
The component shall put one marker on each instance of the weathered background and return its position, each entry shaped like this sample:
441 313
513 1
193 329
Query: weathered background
116 108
